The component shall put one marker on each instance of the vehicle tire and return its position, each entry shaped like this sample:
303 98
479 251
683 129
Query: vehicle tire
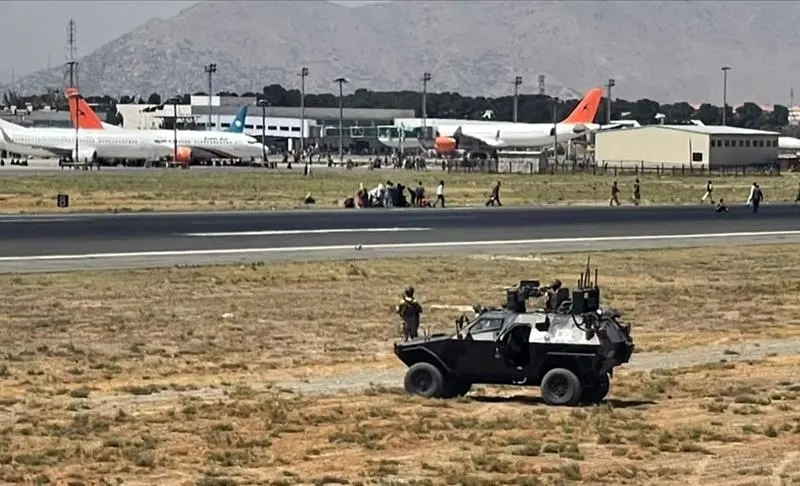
561 387
595 392
425 380
455 387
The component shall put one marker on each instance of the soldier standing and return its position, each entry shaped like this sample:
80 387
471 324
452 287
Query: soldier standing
495 196
409 310
614 194
707 195
637 195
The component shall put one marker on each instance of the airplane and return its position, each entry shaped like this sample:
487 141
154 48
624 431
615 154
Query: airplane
93 145
190 144
495 135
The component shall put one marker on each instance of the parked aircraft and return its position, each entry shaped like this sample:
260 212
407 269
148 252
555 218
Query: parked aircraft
190 144
496 135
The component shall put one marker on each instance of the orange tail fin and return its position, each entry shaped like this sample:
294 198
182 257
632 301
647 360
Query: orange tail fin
587 108
81 114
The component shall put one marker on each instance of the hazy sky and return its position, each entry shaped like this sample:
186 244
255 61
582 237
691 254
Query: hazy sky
33 30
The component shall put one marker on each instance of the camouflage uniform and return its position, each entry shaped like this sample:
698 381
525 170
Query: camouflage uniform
409 310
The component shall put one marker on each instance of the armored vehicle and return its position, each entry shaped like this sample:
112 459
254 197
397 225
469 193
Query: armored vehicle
569 348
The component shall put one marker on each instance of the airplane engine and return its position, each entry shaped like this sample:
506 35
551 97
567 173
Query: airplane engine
445 145
183 155
85 154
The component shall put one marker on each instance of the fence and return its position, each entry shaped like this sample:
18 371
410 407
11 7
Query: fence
536 166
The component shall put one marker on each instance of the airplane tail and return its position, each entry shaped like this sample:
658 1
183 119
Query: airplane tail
587 108
81 114
237 126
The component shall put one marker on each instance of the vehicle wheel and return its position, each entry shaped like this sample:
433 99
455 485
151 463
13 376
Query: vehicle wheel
596 391
425 380
455 387
561 387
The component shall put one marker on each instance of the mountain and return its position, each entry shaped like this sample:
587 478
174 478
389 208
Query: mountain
663 50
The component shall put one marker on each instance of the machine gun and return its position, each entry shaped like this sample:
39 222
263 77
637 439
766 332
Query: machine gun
586 296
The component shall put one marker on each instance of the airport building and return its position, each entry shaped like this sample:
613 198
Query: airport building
709 147
282 126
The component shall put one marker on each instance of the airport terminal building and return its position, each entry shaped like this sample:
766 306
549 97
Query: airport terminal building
708 147
282 125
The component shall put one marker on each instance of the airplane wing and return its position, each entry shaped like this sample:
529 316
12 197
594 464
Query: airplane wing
480 138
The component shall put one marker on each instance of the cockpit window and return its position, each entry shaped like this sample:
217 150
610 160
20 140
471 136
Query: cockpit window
486 325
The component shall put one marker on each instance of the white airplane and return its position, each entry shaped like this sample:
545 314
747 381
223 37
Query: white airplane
60 142
453 136
182 145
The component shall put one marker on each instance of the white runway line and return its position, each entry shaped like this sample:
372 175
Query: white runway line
390 246
306 232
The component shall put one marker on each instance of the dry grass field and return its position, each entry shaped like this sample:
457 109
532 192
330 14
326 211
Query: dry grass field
83 354
260 189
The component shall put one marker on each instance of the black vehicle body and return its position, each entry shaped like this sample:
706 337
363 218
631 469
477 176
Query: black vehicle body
570 352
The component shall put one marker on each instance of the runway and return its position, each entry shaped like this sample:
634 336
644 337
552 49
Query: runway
65 242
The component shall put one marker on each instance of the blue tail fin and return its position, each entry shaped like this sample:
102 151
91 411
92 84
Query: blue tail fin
237 125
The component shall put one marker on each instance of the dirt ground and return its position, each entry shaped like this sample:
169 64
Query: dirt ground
77 346
260 189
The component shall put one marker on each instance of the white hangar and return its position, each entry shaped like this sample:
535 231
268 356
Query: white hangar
710 147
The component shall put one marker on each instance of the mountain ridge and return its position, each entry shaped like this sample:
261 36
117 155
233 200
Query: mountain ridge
664 50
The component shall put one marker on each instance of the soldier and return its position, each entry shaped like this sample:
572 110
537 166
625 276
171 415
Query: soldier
614 194
550 292
708 195
409 310
495 195
637 195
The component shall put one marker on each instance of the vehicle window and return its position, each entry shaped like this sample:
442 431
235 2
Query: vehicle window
486 325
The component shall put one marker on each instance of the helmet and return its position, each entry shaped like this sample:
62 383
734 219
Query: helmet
409 292
556 284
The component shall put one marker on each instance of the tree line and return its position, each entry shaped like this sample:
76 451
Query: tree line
531 108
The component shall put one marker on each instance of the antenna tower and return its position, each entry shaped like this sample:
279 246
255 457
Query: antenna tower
72 51
541 85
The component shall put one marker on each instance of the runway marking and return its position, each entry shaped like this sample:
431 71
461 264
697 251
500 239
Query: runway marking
306 232
389 246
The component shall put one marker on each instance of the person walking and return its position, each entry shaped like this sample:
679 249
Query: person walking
439 194
494 197
708 193
614 194
637 195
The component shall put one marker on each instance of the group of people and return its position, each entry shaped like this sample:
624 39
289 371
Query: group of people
391 195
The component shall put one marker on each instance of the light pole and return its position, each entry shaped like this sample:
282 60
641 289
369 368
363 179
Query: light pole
74 96
517 82
425 78
341 82
174 102
725 70
263 103
611 84
210 70
555 130
303 74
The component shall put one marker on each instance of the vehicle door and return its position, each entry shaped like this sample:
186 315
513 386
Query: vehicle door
476 360
513 349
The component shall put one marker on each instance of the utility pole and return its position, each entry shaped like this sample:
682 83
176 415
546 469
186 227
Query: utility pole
263 103
542 88
555 130
611 84
210 70
72 52
303 74
73 98
517 82
174 102
425 78
725 70
341 81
